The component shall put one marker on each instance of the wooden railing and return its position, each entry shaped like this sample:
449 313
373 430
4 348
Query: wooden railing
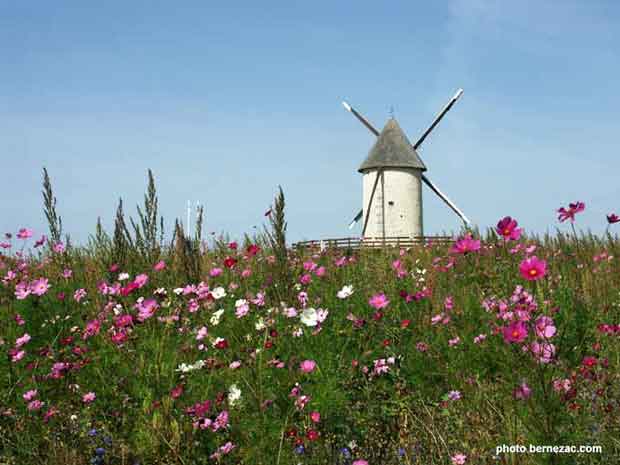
372 242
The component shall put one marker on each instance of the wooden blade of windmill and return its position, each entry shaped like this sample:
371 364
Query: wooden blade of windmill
363 120
356 219
443 197
439 117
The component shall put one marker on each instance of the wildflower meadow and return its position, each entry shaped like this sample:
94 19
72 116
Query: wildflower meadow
142 347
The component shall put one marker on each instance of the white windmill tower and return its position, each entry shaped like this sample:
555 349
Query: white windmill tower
393 174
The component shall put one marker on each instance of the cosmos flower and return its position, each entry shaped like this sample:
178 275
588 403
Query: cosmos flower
522 392
459 459
613 218
159 266
345 292
465 245
309 317
507 228
544 352
379 301
307 366
89 397
545 328
515 332
24 233
569 214
532 268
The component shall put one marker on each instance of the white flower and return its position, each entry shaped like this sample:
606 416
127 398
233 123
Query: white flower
123 276
218 293
185 368
298 332
234 395
178 291
215 318
309 317
345 292
260 325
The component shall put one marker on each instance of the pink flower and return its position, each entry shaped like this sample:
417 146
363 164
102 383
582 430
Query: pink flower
379 301
24 233
465 244
573 209
59 247
20 341
545 327
315 416
160 265
522 392
515 332
29 395
507 228
360 462
89 397
307 366
215 272
532 268
141 280
79 295
543 352
459 459
39 286
16 356
35 405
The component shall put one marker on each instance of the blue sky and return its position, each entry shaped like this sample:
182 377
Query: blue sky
226 100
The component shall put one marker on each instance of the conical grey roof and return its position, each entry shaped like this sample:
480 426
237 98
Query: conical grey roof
392 150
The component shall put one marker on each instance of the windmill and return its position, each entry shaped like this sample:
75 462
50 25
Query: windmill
393 173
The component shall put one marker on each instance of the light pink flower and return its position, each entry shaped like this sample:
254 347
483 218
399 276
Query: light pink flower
29 395
89 397
545 327
307 366
39 286
20 341
160 265
459 459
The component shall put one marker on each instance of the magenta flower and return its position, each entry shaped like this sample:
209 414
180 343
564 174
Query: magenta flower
545 328
569 214
24 233
507 228
613 218
465 245
379 301
532 268
35 405
89 397
315 416
307 366
360 462
160 265
515 332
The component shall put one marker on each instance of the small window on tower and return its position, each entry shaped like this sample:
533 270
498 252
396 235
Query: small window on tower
391 202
